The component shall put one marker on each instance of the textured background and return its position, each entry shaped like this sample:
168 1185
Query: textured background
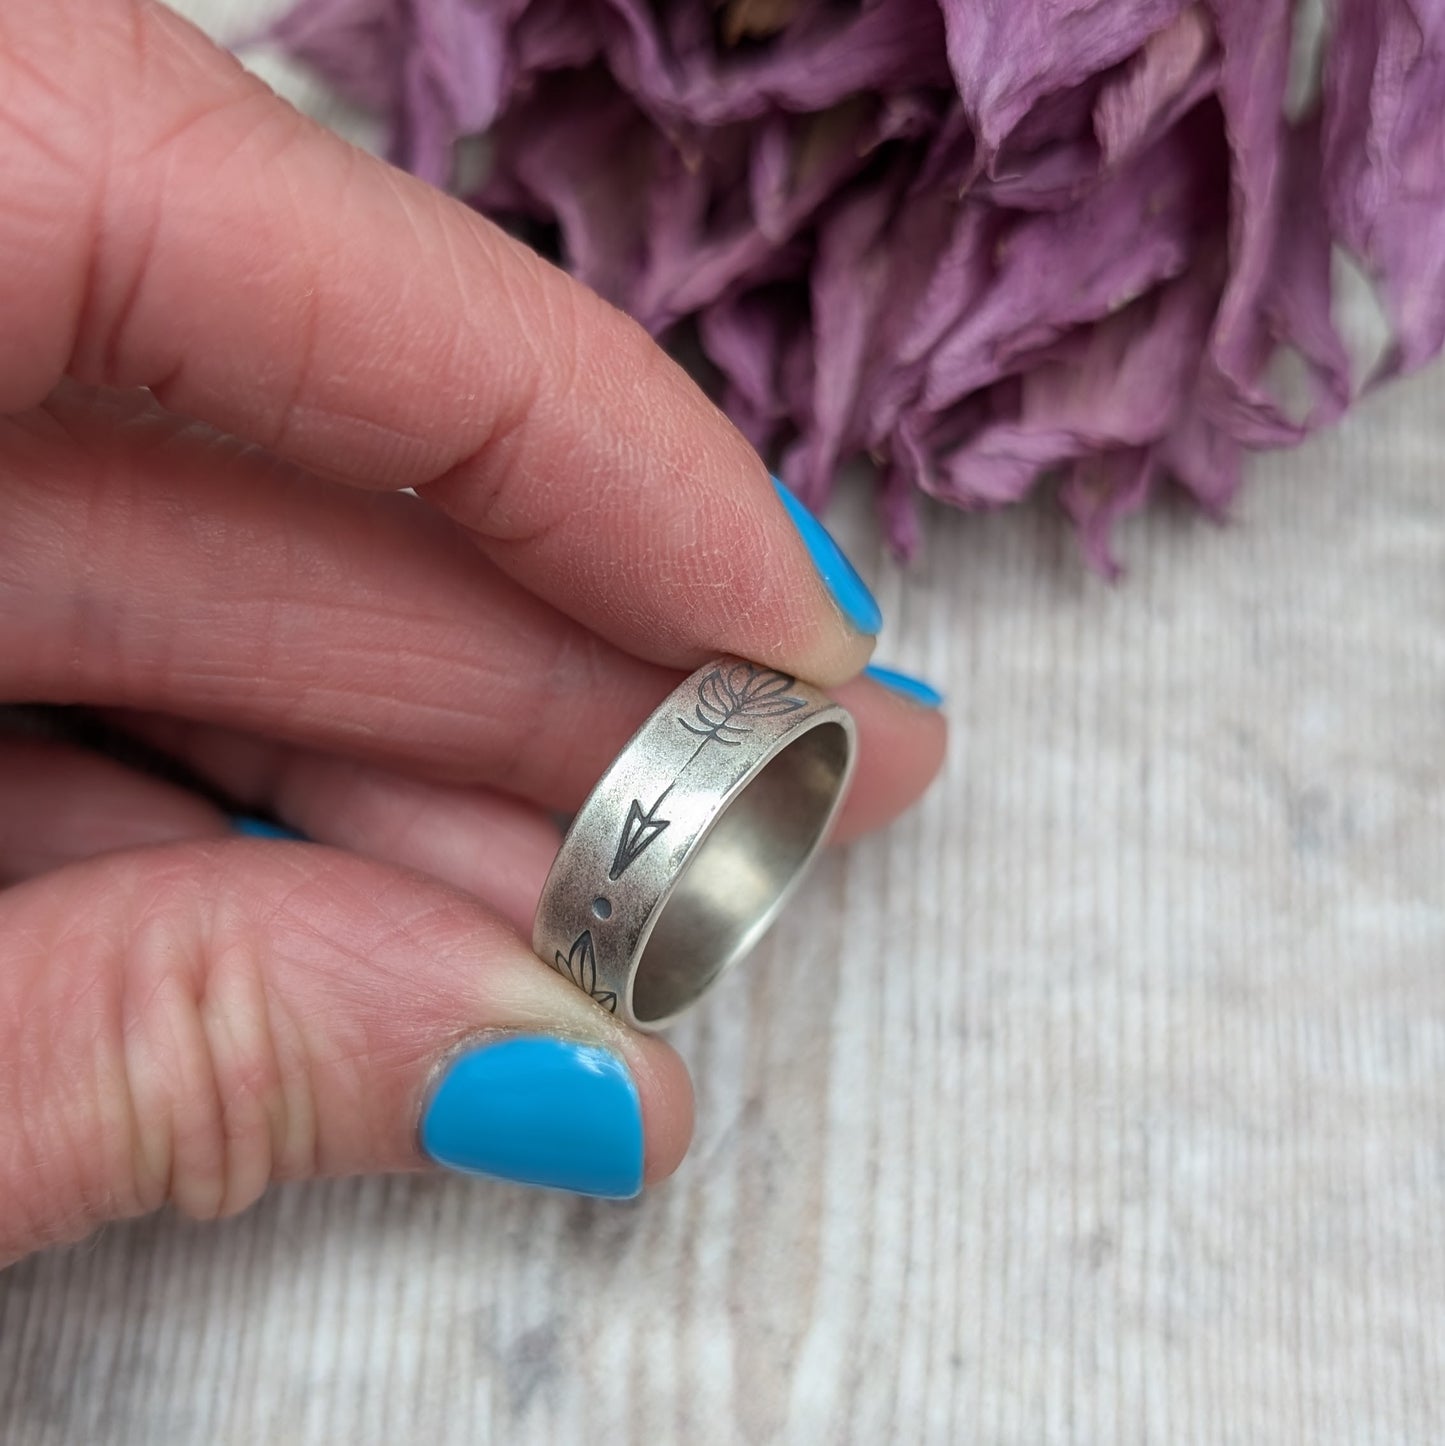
1101 1100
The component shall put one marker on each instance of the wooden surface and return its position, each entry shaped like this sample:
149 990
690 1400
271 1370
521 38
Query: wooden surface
1102 1100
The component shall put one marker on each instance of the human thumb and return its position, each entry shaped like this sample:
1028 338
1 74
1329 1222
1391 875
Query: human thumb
183 1025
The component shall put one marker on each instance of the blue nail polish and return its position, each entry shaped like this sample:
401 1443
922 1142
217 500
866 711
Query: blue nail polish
849 590
914 689
261 828
539 1111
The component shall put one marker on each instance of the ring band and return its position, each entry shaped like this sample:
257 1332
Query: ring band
694 839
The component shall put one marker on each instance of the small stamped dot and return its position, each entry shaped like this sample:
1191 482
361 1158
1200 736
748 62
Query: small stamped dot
602 907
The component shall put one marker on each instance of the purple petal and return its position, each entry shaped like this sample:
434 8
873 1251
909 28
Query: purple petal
1384 161
978 241
1278 290
1008 55
441 68
1058 270
898 511
1167 77
1100 492
666 58
554 35
1205 461
850 288
356 45
571 148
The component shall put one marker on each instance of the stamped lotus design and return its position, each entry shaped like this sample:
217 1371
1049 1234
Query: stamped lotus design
735 692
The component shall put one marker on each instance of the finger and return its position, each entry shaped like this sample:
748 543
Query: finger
902 740
460 833
184 1025
495 847
143 565
477 839
149 568
257 273
60 803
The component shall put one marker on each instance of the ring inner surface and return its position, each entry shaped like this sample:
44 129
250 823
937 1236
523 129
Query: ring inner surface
733 884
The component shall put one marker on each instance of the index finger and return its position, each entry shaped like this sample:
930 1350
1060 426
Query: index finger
170 223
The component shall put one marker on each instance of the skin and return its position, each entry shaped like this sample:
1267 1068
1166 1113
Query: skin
229 340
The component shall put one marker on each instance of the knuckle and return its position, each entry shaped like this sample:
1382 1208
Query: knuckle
117 343
168 114
177 1027
506 485
145 1060
47 187
209 1083
102 104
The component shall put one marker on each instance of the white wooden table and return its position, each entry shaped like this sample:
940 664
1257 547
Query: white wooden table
1103 1099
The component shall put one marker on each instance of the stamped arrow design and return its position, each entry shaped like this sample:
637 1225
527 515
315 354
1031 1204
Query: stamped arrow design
639 830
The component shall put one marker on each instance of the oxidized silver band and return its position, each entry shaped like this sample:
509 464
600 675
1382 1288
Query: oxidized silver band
694 838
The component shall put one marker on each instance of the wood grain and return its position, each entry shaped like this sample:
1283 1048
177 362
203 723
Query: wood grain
1102 1100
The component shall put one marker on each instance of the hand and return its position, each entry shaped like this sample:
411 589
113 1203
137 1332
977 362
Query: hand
227 340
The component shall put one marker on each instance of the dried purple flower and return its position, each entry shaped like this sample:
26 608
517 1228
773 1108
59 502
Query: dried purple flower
983 242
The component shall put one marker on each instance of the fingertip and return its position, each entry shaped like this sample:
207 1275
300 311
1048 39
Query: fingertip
905 685
850 594
902 743
664 1087
598 1116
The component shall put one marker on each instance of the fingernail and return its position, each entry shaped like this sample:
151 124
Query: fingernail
539 1111
262 828
914 689
849 590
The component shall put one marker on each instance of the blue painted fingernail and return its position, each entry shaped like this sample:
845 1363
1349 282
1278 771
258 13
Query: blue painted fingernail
539 1111
262 828
914 689
849 590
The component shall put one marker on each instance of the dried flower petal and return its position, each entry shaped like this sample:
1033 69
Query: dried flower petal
1384 162
980 243
1166 78
1007 57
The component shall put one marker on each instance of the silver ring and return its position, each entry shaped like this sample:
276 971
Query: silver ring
694 839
